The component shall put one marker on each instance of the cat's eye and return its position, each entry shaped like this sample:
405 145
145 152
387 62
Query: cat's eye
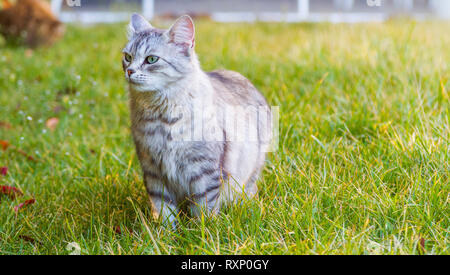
128 57
152 59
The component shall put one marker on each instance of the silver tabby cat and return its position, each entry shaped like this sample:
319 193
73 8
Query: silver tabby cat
201 138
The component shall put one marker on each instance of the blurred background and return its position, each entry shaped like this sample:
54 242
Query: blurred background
94 11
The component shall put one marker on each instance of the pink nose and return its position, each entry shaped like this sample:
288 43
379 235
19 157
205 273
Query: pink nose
130 72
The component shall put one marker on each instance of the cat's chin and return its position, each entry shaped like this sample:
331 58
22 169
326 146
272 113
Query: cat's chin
140 88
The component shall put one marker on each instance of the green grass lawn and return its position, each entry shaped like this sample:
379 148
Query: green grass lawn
363 164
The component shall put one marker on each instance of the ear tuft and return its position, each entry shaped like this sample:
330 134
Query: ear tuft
183 31
137 24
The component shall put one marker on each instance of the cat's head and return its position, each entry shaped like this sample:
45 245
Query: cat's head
155 59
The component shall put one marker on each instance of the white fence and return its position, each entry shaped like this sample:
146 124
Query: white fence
262 10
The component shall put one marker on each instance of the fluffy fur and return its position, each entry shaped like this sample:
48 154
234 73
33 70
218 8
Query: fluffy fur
183 122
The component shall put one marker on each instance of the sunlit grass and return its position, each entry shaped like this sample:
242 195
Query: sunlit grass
362 166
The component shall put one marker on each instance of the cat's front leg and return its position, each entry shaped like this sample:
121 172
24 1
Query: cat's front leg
164 205
206 197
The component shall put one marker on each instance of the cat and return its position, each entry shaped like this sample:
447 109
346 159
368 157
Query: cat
183 163
31 22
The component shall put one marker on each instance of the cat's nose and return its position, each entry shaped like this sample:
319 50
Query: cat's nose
130 72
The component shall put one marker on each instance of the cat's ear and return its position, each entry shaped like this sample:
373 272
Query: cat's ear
137 24
182 31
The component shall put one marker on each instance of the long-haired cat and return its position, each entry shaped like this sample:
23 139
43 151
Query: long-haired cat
201 138
30 21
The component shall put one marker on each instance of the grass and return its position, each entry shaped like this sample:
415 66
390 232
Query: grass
362 165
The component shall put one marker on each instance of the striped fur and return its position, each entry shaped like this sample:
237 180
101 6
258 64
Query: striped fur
178 166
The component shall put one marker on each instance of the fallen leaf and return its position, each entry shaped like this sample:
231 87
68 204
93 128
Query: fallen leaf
58 109
28 53
11 192
422 242
4 144
3 171
29 239
23 153
23 204
52 123
5 125
422 245
118 230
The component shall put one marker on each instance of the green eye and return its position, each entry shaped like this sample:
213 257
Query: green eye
128 57
152 59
